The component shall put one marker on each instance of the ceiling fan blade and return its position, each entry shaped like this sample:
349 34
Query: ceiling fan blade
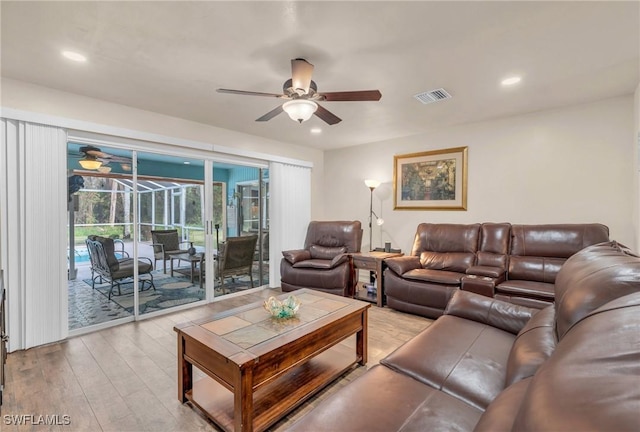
301 71
354 96
271 114
93 151
250 93
113 158
327 116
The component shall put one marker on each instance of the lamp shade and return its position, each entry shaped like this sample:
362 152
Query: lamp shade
372 184
104 169
300 109
90 163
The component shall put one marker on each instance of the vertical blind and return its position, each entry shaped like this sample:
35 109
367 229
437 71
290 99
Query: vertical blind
290 201
34 248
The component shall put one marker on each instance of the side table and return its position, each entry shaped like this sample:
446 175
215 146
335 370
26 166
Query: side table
196 260
374 262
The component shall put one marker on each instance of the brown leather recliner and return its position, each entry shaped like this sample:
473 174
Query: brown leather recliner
325 262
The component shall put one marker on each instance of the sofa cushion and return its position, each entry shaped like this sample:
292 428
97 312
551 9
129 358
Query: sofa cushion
437 276
486 310
417 297
527 289
538 251
591 278
463 358
533 346
384 400
590 383
334 234
555 240
532 268
442 237
502 412
451 261
495 239
325 252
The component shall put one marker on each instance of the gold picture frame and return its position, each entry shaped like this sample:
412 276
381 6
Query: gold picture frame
433 180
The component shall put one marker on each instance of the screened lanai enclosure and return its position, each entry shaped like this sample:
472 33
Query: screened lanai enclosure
149 232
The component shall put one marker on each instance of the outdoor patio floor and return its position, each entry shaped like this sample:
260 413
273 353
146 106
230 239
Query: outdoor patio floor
89 306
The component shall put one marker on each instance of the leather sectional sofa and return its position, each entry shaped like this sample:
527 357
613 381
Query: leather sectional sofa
515 263
489 365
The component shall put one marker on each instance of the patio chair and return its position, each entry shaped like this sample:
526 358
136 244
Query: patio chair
93 260
235 258
165 244
106 266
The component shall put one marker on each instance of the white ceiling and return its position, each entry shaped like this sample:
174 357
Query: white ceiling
169 57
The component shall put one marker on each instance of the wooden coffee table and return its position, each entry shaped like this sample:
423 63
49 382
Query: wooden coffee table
259 368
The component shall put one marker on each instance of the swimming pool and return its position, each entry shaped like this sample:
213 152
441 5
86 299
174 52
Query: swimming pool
82 255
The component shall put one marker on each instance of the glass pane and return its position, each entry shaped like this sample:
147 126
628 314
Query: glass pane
242 213
172 229
100 204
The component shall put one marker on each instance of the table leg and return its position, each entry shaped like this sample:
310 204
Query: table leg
193 269
185 372
171 261
243 402
361 340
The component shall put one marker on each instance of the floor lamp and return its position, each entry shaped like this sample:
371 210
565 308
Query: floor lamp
372 184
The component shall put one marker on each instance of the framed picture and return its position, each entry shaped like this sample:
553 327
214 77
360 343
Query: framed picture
433 180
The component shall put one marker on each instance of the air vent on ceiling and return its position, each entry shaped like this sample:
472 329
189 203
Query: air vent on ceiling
432 96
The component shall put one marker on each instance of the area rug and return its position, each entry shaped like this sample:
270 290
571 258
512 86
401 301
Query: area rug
169 292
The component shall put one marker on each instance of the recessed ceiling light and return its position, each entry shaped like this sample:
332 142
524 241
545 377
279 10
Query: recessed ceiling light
186 163
315 130
511 81
75 56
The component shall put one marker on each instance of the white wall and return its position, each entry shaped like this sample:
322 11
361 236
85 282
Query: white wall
569 165
29 97
636 158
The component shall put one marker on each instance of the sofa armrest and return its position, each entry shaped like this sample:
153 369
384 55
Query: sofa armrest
401 265
482 285
339 259
505 316
297 255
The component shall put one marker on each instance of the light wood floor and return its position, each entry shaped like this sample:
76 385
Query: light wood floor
124 378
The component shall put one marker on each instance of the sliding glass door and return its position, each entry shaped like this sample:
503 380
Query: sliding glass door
171 227
189 229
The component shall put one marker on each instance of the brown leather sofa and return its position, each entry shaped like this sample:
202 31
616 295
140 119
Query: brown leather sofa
489 365
515 263
325 262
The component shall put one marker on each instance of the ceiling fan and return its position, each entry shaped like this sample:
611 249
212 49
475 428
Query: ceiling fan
95 159
303 96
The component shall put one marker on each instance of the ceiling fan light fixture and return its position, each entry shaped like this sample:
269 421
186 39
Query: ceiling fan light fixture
90 163
300 110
